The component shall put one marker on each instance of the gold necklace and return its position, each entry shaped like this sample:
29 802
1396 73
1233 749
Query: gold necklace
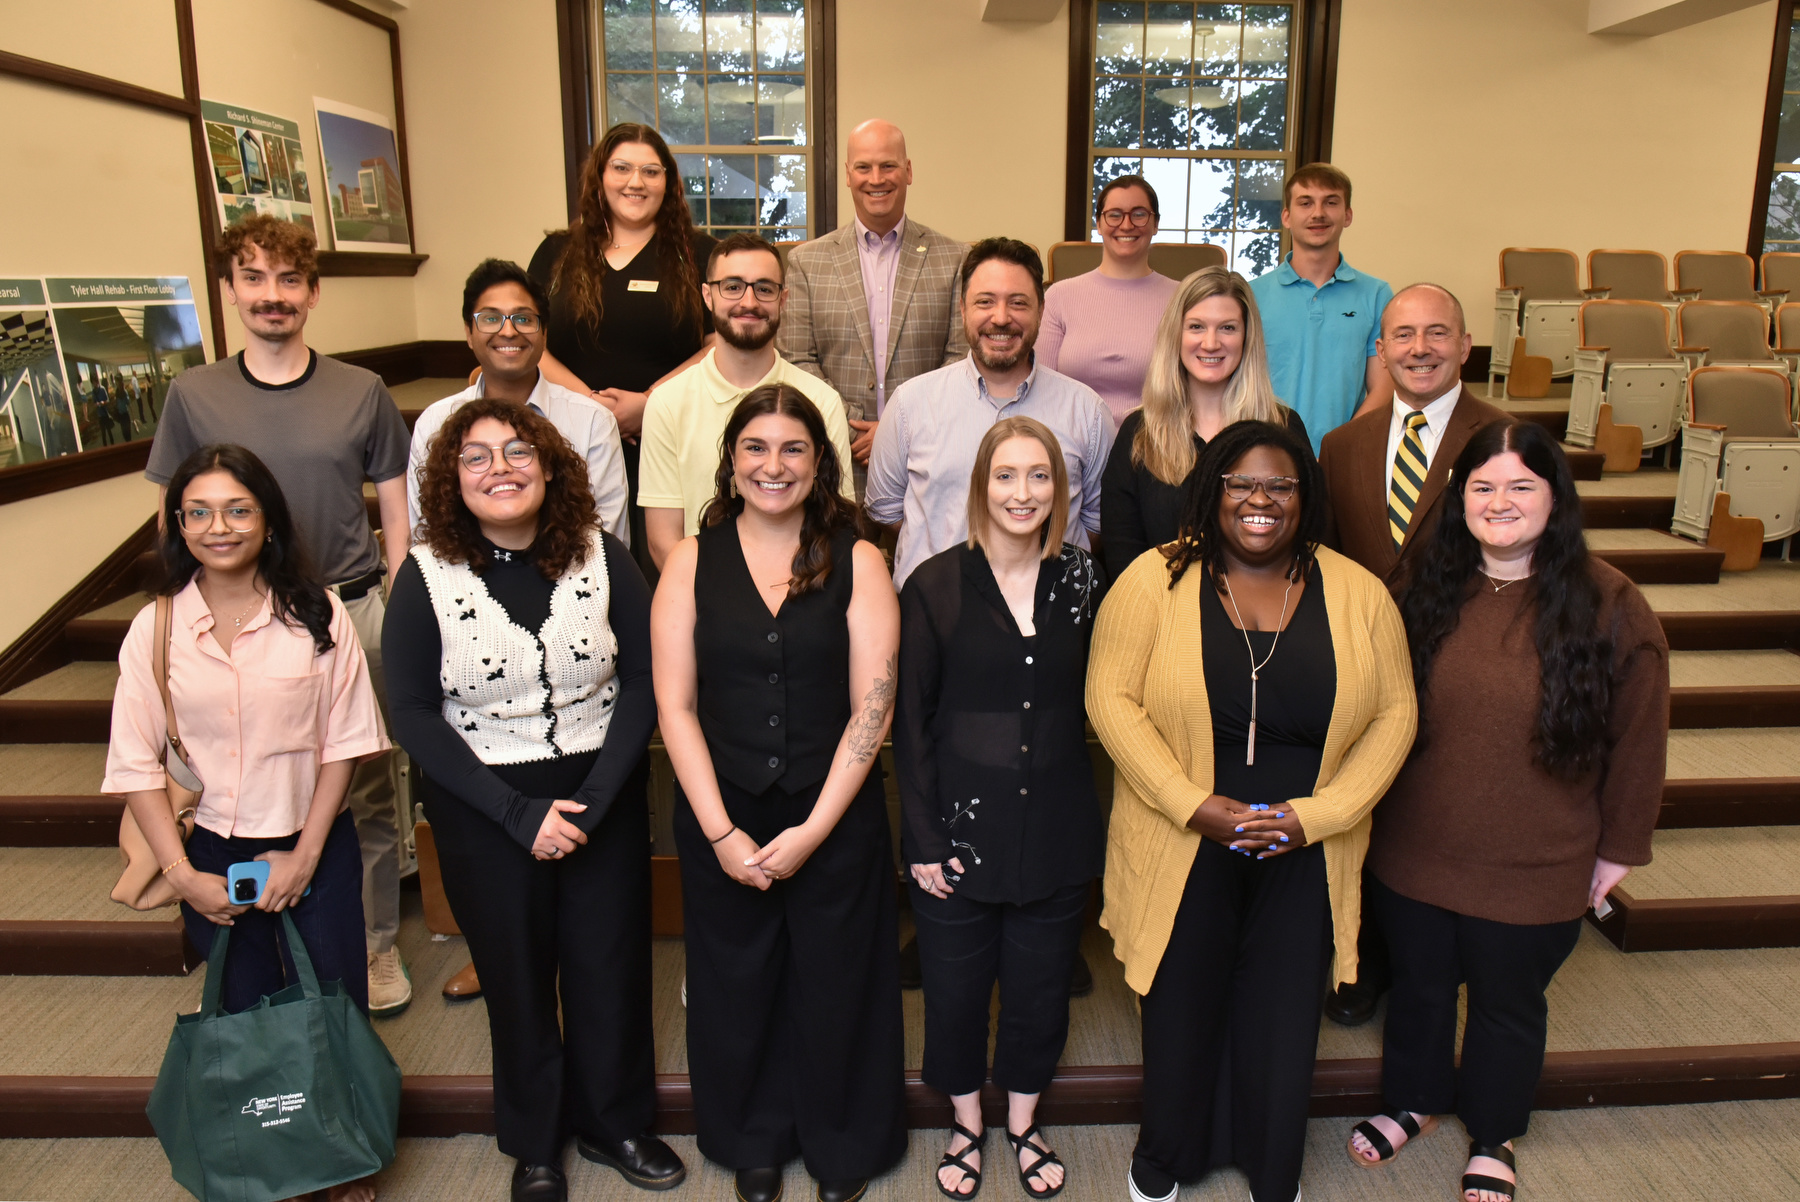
1256 668
238 622
1508 584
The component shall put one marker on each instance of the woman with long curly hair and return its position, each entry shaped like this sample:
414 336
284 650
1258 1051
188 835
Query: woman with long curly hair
1253 690
1543 684
624 280
518 649
776 633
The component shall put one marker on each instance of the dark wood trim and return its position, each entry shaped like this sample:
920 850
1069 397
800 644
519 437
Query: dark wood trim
575 66
40 649
1730 801
368 263
444 358
1079 121
1684 563
823 174
134 948
666 917
1729 630
1627 513
363 14
1765 155
99 85
71 471
79 720
1710 707
1317 109
204 196
1700 923
60 821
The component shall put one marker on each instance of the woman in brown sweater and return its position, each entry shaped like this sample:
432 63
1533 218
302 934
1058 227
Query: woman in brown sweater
1543 682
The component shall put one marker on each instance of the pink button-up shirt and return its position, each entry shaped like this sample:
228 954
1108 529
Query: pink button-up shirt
257 724
879 258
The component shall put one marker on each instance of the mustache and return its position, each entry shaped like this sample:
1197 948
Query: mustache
1001 328
282 307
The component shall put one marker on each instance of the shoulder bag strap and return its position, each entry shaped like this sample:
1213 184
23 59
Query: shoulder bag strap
182 772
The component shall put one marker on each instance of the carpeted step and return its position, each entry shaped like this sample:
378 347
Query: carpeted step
1656 557
98 633
1734 689
1642 499
1734 888
56 918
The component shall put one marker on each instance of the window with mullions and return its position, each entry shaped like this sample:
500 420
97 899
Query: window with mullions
1197 99
1783 229
725 82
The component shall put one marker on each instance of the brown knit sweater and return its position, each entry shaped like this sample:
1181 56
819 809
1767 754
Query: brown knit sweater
1472 823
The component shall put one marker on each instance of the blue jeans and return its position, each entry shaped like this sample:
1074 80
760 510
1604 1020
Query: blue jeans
330 918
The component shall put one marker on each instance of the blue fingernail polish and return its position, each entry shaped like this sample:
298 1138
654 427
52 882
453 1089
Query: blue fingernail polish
1284 838
1240 830
1280 814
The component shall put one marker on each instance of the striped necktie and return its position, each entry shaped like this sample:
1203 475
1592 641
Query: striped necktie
1408 478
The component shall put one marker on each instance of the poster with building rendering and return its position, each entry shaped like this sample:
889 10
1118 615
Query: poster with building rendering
37 420
362 179
121 340
259 165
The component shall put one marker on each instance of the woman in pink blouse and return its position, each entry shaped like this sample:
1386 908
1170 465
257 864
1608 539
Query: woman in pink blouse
274 706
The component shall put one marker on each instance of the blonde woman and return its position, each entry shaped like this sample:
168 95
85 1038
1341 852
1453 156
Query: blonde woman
1208 368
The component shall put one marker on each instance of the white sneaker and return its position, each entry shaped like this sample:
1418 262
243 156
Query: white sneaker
390 985
1138 1195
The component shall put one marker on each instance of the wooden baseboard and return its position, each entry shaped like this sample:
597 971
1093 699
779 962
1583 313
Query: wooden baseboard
76 721
443 358
40 649
1730 801
59 820
1709 707
135 948
1700 923
1728 630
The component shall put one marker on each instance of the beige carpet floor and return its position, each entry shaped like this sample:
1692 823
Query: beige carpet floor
79 681
52 768
1743 861
1627 539
1646 482
1734 751
65 884
1725 669
1770 586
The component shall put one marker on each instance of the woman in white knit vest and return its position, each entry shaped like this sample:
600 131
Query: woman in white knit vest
518 644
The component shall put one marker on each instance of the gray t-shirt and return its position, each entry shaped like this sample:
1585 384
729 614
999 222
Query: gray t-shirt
321 435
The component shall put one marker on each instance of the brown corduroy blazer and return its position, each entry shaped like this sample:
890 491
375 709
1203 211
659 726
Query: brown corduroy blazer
825 324
1354 460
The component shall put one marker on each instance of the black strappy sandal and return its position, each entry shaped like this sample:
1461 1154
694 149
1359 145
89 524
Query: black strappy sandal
1022 1143
1402 1119
1481 1181
977 1143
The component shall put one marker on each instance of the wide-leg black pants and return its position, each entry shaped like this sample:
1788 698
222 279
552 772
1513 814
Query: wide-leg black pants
573 932
793 1019
1508 967
1231 1022
964 946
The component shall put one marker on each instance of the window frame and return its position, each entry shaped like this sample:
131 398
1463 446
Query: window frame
1765 159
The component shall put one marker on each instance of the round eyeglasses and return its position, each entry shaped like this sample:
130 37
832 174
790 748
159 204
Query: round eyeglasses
489 321
732 288
1117 217
622 171
478 458
1276 488
239 519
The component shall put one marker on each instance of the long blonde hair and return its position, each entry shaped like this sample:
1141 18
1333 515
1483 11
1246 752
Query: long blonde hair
1165 441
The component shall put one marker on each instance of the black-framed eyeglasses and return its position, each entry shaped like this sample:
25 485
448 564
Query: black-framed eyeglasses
622 171
489 321
1276 488
478 458
239 519
731 288
1115 217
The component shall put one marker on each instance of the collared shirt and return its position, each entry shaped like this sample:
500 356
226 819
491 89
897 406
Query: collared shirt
588 425
687 416
879 257
1437 416
257 724
925 450
1320 340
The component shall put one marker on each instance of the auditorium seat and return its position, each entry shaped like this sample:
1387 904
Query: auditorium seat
1740 440
1727 334
1726 275
1539 298
1632 275
1625 361
1177 260
1781 272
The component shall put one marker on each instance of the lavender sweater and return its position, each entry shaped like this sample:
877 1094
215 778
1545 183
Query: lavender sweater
1099 330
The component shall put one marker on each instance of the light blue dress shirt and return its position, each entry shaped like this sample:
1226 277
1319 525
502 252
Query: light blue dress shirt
1320 339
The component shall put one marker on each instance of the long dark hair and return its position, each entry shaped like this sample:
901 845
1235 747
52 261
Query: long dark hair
1202 541
582 264
1574 654
827 512
296 597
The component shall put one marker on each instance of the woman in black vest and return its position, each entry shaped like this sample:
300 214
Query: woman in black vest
775 635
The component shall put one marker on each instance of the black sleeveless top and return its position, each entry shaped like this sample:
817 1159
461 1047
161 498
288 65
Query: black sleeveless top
774 689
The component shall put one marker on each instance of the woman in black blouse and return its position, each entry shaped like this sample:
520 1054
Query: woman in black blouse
624 281
775 632
1208 369
1003 845
517 642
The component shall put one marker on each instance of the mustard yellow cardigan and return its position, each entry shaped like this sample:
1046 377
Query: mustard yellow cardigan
1146 696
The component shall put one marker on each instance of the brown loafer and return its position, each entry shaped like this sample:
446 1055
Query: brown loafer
463 986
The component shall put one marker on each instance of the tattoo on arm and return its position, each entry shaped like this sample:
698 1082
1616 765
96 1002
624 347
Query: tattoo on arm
865 728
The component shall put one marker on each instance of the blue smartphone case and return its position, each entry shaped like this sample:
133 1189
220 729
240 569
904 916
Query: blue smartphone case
250 870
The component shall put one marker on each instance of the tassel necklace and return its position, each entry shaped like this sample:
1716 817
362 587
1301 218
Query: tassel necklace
1256 668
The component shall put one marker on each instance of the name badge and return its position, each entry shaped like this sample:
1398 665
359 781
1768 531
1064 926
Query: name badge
642 285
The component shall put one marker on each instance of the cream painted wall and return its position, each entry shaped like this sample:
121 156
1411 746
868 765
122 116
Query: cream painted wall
1468 126
983 105
132 41
63 536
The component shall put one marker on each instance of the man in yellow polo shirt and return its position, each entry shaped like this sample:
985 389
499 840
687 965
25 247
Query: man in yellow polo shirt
687 415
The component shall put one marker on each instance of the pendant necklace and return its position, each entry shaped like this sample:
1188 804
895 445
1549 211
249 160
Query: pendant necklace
1255 668
1508 584
238 622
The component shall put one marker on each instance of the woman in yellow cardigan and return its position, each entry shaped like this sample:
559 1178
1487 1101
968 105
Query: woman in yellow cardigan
1254 691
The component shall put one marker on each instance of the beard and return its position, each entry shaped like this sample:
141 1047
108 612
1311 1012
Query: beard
1027 340
746 342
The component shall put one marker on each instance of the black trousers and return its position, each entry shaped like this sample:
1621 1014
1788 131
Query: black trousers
573 933
1508 967
964 946
793 1017
1231 1022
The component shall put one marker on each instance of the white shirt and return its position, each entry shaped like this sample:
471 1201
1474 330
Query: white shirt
1437 416
588 425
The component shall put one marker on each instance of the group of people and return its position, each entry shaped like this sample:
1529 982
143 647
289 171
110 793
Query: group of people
111 400
663 505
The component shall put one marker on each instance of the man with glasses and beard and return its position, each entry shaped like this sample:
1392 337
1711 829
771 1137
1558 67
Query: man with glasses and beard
686 416
323 428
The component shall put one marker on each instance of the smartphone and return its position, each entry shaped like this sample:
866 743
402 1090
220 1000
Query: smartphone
245 882
1604 910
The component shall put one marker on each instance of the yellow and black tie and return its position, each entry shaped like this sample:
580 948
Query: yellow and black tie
1409 478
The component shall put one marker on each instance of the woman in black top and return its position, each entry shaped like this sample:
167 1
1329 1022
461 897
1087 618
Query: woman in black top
624 281
517 642
1003 845
775 633
1208 369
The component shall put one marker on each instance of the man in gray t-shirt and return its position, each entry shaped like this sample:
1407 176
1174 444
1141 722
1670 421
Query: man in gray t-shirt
323 428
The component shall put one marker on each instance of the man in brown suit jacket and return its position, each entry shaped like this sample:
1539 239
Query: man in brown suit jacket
1424 343
883 281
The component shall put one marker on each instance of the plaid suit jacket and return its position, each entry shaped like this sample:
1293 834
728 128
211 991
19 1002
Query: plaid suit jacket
825 325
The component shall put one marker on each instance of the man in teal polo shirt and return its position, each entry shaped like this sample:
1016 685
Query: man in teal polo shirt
1321 316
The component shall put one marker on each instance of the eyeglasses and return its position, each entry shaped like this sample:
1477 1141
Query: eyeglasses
477 458
731 288
489 321
239 519
622 171
1115 217
1276 488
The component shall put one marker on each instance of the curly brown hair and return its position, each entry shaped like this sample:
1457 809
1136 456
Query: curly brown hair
566 523
283 241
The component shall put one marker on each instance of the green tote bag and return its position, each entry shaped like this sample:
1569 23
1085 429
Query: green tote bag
295 1094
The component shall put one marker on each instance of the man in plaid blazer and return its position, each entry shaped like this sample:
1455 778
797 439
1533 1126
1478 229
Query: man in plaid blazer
883 281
